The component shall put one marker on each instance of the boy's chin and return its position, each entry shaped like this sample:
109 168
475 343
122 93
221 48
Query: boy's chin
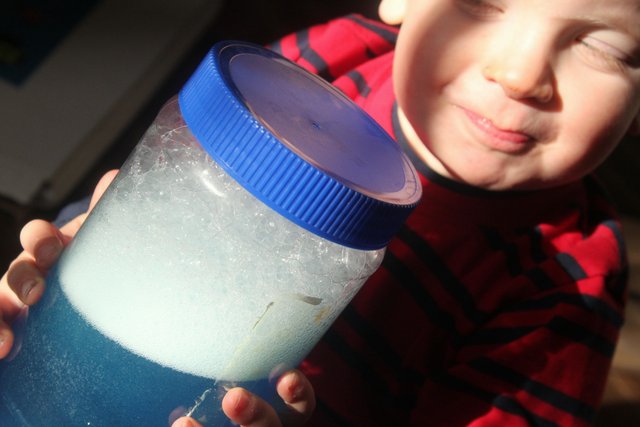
500 179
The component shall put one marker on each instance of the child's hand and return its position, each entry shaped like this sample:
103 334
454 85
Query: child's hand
249 410
23 283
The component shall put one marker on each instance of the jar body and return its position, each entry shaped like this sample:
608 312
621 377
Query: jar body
179 282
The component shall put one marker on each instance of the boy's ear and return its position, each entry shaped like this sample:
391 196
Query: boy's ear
392 11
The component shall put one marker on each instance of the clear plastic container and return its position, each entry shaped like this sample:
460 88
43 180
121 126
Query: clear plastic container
251 212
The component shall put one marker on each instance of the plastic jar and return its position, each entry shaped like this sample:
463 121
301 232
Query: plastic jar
248 216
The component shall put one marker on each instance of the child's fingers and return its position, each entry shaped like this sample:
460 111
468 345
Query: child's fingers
43 244
10 304
185 422
296 390
6 339
70 229
24 283
42 241
102 186
248 410
25 279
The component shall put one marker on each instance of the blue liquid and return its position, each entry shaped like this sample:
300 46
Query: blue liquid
67 373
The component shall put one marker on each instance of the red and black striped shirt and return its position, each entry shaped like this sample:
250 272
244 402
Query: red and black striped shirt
490 308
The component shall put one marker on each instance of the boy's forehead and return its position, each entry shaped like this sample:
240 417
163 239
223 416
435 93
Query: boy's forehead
629 9
617 15
586 6
624 14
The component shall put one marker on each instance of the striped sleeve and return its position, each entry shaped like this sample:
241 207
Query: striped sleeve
428 343
544 363
338 46
544 360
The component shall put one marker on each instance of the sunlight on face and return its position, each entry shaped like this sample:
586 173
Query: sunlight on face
514 93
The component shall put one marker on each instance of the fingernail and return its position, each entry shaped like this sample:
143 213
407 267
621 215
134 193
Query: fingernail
241 401
27 287
293 386
48 252
295 391
5 336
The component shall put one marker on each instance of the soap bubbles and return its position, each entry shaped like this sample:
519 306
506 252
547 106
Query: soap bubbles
183 266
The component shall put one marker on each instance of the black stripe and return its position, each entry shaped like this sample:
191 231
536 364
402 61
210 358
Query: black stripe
360 82
617 232
276 47
540 279
587 302
536 239
381 347
410 380
447 280
505 403
370 54
497 243
571 266
422 298
385 34
560 326
310 55
514 407
492 336
578 333
341 347
542 391
368 374
372 336
337 419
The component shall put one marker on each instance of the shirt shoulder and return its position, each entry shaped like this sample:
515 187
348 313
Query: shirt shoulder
338 46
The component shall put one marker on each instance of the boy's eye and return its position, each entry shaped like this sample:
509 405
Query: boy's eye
482 8
605 55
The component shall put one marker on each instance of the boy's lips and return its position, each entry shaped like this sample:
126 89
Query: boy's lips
495 132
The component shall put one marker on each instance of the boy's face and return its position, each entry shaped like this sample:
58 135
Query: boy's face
517 93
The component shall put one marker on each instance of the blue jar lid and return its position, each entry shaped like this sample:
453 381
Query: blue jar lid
299 145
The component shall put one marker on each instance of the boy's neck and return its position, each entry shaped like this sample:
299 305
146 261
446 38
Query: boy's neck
416 145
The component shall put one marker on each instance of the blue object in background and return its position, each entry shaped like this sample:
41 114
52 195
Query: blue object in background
31 29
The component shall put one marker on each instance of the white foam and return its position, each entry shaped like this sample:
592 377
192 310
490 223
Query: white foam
185 268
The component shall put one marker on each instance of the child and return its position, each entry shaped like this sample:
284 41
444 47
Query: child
500 301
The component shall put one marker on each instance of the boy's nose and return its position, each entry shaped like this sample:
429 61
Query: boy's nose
522 73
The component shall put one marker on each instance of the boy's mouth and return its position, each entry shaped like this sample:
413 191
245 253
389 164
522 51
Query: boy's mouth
488 127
